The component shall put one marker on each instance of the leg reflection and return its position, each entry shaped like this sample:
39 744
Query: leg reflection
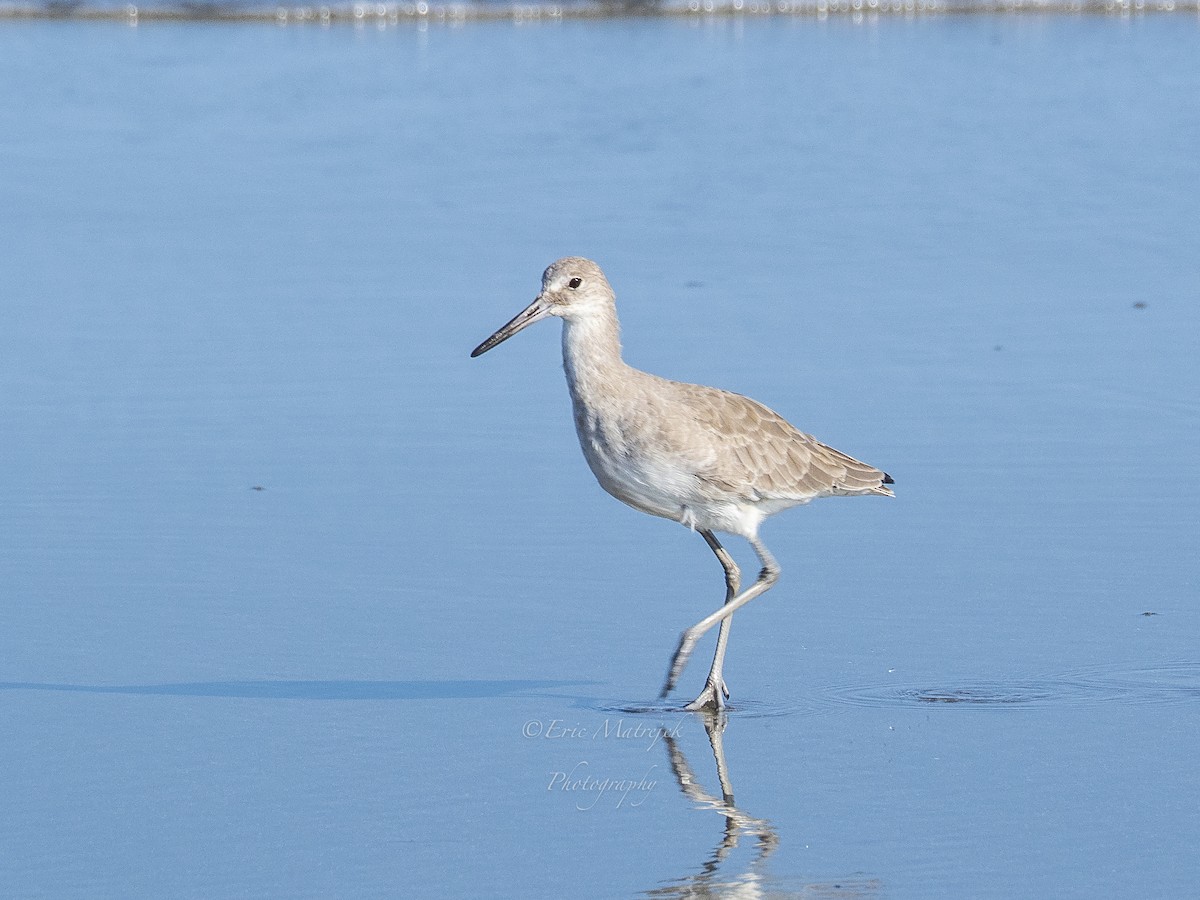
737 822
723 873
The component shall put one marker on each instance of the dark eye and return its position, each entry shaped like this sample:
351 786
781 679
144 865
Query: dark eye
574 283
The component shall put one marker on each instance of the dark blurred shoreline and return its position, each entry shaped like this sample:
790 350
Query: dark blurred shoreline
382 14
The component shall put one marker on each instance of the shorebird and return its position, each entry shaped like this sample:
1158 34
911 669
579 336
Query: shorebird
706 458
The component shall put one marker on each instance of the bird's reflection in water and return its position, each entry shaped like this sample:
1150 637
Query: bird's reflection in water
750 879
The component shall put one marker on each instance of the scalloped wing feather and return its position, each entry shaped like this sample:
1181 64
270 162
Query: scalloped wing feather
759 455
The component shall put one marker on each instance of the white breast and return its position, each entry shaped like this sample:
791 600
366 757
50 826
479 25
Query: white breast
655 484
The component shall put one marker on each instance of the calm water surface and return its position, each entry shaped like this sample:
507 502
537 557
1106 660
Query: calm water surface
296 600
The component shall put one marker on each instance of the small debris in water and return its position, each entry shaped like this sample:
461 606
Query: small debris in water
258 487
1141 304
1149 614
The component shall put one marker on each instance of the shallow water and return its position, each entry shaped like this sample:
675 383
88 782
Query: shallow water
298 600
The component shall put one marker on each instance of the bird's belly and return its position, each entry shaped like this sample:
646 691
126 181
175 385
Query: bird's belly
648 485
662 486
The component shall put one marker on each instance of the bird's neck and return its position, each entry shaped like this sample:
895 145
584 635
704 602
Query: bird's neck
592 355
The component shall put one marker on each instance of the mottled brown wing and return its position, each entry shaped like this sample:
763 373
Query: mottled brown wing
760 455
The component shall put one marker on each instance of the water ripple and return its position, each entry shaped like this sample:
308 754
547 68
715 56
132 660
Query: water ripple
748 708
1172 682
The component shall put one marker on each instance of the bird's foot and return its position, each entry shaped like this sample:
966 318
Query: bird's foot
687 643
712 698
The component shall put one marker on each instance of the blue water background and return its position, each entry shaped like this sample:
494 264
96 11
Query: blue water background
244 257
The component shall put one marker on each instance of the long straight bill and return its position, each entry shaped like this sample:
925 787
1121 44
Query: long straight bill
534 312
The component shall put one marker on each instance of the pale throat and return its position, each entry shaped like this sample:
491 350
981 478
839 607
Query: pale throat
592 355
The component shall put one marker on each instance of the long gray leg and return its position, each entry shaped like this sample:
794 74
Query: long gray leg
687 642
715 691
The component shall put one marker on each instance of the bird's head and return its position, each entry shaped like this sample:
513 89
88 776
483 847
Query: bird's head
573 287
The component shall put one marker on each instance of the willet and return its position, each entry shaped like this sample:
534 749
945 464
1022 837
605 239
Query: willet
703 457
